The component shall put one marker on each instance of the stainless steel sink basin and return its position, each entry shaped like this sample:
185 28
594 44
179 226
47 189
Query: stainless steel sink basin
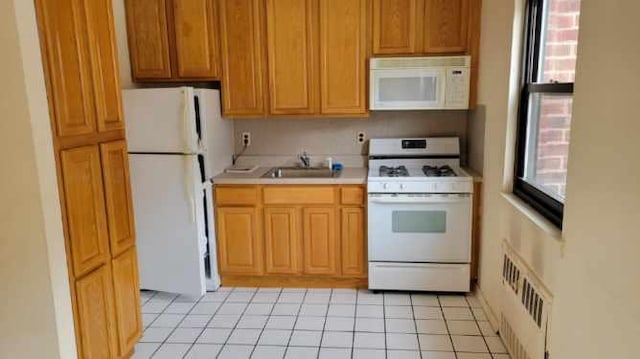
301 172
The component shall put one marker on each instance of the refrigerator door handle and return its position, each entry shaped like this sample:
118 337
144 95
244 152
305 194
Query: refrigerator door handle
189 187
188 121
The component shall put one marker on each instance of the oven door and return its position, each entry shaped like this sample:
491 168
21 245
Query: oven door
420 228
407 89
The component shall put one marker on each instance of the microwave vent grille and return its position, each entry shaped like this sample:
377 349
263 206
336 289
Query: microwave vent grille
419 62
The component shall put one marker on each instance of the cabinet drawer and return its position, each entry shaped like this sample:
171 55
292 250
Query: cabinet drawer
237 195
299 195
352 195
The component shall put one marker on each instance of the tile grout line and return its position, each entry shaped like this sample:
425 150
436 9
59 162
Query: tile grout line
265 324
384 324
164 341
326 317
446 325
296 322
353 338
415 325
475 320
208 321
236 325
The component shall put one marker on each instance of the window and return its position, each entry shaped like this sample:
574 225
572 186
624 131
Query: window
549 57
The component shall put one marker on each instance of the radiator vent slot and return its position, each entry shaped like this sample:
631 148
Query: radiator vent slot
510 273
516 349
525 308
533 302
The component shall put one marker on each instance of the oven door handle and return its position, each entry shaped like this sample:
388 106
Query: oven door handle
418 200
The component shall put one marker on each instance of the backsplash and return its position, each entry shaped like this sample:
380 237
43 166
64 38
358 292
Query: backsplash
278 137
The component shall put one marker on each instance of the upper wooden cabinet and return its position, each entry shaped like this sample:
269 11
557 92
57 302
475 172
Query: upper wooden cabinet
196 38
446 24
405 27
343 56
395 26
148 39
243 58
292 62
82 81
173 40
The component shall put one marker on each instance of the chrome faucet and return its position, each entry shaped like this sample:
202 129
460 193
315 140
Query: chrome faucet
304 158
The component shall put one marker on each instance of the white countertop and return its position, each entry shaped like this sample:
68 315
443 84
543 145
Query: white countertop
349 175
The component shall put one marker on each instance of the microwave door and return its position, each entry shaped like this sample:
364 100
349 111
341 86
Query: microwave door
408 89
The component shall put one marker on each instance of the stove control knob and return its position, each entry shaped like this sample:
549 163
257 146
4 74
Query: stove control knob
385 186
401 185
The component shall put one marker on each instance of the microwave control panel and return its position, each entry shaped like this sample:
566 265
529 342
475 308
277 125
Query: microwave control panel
457 91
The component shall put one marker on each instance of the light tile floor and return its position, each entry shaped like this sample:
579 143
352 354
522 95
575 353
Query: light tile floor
315 323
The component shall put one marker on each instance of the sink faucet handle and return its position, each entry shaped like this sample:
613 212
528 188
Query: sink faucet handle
304 158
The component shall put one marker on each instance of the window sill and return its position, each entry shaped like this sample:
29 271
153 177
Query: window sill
544 224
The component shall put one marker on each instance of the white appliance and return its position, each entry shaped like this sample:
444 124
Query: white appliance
419 221
177 141
420 83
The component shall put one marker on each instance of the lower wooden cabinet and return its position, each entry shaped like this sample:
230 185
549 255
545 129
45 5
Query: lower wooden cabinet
354 242
311 235
320 241
127 300
239 240
95 315
282 240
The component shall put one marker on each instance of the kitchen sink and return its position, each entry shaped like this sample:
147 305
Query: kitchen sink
301 172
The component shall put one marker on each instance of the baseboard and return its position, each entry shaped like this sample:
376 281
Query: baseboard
295 282
491 315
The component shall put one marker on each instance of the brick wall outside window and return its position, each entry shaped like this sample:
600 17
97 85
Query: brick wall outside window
555 112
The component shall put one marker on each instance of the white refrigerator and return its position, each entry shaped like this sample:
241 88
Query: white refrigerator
177 141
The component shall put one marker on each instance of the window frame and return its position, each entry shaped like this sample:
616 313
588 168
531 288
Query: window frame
534 31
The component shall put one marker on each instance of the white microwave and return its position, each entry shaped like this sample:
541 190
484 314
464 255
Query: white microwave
419 83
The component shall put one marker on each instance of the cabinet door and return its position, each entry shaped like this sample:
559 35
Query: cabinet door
395 26
239 240
320 244
343 54
446 25
96 316
241 50
63 34
291 57
126 289
282 240
196 38
102 45
148 39
85 211
117 185
354 245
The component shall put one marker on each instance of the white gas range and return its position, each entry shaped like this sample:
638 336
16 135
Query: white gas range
420 209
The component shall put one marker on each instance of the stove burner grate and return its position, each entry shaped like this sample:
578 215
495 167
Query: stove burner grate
400 171
442 171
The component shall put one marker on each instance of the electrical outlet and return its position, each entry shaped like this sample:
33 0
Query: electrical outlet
246 139
361 137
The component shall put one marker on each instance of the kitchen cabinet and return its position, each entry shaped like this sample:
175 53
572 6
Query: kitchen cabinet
343 57
118 195
309 235
320 241
292 56
282 240
127 299
239 240
173 40
395 27
96 316
79 58
446 24
408 27
354 243
148 39
242 54
84 201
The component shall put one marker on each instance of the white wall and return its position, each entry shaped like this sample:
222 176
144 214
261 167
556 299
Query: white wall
596 310
592 267
35 305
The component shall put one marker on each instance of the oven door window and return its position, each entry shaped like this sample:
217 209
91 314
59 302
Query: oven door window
419 221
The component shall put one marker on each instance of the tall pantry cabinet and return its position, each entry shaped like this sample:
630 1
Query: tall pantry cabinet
80 63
